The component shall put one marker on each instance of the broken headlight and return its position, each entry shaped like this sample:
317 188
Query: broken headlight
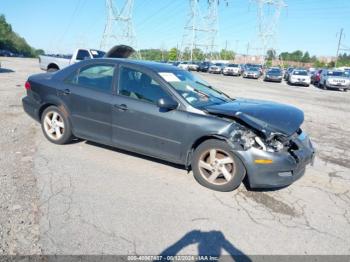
247 139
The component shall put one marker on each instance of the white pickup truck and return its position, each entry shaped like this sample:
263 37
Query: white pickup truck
52 63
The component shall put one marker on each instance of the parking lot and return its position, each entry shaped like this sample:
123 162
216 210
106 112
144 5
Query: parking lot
85 198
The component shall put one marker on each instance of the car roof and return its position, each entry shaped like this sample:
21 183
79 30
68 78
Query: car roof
155 66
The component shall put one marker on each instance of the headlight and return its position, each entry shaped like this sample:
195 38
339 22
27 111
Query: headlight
247 139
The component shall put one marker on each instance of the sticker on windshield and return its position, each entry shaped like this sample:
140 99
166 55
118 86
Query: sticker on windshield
94 52
169 77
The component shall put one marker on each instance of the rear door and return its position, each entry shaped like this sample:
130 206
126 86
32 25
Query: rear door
139 124
88 94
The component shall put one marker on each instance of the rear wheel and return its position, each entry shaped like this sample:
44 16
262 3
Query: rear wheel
55 125
216 167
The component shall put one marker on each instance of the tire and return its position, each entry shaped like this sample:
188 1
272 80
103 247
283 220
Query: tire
58 132
324 86
51 70
204 167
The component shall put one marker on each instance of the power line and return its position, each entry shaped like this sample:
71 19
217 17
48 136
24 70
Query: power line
119 26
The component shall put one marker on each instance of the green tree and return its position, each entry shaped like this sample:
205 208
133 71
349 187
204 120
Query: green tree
11 41
227 54
306 57
173 52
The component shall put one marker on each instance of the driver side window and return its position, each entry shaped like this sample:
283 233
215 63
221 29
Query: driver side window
139 85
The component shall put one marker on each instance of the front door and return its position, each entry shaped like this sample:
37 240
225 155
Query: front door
139 124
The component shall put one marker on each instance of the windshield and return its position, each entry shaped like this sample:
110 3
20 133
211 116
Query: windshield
97 53
253 69
194 90
335 73
300 72
232 65
218 64
274 71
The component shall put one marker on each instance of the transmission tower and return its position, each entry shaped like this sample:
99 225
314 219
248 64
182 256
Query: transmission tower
212 26
269 12
119 27
190 36
200 30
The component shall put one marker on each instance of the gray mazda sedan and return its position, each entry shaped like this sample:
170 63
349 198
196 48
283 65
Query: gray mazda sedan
168 113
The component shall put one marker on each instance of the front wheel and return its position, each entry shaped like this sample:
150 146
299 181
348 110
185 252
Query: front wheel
215 166
55 125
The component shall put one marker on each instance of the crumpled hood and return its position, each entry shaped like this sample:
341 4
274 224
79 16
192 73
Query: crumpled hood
265 116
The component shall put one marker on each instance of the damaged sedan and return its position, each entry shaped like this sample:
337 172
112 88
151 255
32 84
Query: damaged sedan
167 113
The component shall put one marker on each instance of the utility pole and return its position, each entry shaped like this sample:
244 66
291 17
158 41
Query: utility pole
339 43
246 56
119 27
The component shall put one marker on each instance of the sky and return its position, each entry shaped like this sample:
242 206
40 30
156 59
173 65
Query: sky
61 26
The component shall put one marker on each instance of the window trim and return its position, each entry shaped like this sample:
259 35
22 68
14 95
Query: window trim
150 74
77 72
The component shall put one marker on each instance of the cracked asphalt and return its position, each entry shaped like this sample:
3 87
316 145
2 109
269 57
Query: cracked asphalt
85 198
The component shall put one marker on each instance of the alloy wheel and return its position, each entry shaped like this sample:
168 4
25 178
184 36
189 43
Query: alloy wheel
54 125
217 166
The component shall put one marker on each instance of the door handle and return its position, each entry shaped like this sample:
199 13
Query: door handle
66 92
121 107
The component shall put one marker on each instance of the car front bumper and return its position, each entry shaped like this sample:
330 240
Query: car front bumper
273 79
251 76
286 167
339 87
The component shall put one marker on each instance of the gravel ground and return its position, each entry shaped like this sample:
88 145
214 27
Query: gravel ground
84 198
19 199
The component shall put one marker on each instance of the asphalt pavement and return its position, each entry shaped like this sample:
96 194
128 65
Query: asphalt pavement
85 198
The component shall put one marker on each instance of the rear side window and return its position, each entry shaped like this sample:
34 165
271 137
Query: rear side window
97 77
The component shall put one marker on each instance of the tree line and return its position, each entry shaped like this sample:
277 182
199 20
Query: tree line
174 54
12 42
305 57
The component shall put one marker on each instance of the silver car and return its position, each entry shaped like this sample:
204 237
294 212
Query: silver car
334 79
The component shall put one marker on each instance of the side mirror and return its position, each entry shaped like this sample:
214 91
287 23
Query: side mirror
167 104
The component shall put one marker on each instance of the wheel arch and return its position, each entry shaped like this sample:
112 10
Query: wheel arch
53 65
196 143
54 102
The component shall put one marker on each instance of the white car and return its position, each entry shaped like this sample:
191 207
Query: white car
334 79
183 65
52 63
190 66
299 77
232 69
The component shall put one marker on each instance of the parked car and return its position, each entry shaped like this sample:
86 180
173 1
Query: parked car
273 75
216 68
165 112
287 72
299 77
251 72
52 63
183 65
232 69
334 79
204 66
315 77
193 66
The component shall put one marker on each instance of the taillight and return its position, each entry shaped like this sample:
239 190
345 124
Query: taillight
27 85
